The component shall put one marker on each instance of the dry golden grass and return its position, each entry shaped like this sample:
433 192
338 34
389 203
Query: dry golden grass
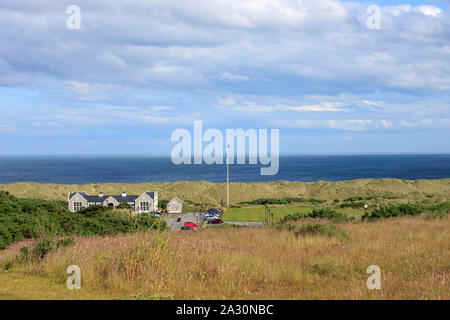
211 193
252 263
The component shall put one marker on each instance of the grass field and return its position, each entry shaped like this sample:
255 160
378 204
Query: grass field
295 260
256 213
413 254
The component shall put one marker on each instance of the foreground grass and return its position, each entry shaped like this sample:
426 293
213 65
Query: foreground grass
256 213
246 263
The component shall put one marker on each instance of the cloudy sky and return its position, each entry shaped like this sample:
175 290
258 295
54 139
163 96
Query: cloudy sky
138 69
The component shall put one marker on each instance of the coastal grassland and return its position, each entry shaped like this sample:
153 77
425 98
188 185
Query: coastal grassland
213 194
304 259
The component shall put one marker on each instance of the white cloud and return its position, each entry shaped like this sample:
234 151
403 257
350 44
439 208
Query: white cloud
361 124
228 101
185 43
253 107
234 77
423 9
90 91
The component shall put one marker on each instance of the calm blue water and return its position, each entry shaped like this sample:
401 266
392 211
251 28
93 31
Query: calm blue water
80 170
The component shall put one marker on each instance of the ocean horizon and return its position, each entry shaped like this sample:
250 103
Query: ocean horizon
83 169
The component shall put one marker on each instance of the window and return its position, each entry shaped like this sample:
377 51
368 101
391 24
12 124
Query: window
144 206
77 206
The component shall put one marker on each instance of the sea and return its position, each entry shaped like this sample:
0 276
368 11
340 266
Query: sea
136 169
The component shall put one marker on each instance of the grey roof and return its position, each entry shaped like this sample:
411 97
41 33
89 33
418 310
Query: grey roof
119 198
83 194
176 199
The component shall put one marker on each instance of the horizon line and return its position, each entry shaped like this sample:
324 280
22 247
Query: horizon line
168 156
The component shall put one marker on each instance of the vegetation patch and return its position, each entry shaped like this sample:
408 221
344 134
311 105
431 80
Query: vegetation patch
316 229
354 205
324 213
22 219
285 200
408 209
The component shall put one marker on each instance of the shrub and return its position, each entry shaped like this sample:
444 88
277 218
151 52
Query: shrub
43 247
354 205
124 205
325 213
285 200
164 204
316 229
96 209
393 211
65 242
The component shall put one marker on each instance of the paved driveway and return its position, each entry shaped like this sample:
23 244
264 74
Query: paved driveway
196 217
240 223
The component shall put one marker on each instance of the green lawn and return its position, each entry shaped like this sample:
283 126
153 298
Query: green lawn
256 213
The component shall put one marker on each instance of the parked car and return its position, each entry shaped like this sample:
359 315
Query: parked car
214 211
215 221
211 217
188 228
179 219
191 224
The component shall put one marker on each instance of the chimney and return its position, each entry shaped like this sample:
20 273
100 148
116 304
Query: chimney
124 194
100 194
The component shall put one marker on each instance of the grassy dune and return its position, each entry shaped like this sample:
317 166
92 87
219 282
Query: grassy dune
208 193
245 263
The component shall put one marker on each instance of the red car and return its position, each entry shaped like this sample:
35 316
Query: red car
216 221
190 224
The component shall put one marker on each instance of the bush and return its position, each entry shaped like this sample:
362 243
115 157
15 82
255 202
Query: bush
42 248
393 211
96 209
285 200
316 229
65 242
124 205
325 213
164 204
354 205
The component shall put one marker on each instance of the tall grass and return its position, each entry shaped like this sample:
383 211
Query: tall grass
256 263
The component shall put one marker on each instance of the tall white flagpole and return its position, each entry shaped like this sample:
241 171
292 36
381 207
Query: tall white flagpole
228 179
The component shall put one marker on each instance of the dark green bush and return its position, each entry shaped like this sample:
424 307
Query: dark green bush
43 247
285 200
354 205
325 213
164 204
65 242
393 211
124 205
25 219
317 229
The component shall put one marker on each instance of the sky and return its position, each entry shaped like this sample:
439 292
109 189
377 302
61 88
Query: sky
137 70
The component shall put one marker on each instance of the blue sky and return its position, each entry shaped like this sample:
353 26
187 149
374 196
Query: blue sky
137 70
